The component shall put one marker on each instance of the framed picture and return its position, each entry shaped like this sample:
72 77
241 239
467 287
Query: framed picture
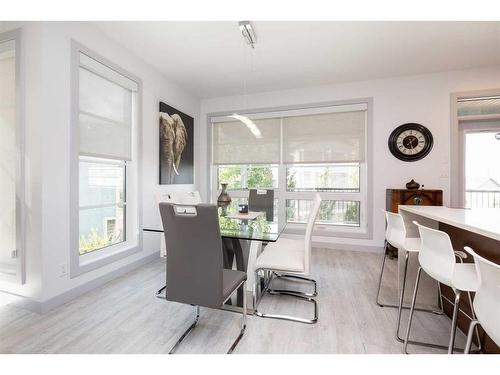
176 146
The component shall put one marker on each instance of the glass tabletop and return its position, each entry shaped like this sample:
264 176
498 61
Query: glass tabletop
257 229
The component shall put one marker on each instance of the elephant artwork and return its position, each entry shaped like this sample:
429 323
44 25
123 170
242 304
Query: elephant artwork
176 146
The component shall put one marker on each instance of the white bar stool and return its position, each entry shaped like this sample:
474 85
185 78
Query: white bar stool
437 259
487 299
395 235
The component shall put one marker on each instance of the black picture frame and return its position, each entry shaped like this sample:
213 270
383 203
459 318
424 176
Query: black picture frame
392 142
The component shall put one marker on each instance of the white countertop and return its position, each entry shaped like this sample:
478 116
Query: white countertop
483 221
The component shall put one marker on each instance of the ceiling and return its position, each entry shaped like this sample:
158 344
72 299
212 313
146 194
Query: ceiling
211 59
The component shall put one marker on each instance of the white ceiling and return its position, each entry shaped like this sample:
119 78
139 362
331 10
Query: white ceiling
211 59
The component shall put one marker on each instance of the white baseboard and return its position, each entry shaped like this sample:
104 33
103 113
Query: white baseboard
349 247
338 246
45 306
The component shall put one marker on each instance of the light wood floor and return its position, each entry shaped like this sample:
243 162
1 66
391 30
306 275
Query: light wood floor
125 317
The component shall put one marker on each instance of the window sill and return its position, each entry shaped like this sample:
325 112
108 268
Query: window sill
110 255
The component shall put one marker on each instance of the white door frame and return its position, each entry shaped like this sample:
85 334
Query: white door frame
457 168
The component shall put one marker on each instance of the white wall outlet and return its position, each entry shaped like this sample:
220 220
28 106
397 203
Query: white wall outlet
63 270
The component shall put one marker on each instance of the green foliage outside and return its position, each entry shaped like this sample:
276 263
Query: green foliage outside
93 241
256 177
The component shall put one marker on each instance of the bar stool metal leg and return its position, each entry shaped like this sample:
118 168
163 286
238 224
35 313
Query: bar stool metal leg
399 305
472 328
384 256
401 297
473 316
456 309
454 322
412 308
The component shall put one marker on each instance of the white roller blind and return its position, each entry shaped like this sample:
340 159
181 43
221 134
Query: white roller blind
106 111
320 138
238 143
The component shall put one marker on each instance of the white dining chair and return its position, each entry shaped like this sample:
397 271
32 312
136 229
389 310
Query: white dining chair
437 258
395 235
289 259
486 303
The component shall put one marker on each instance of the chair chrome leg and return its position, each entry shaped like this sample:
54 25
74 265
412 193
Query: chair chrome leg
286 276
472 327
286 293
394 306
474 319
454 322
384 257
188 331
401 297
159 293
412 309
440 299
243 320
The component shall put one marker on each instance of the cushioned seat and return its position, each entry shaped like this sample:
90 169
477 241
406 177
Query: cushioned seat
281 258
230 280
288 243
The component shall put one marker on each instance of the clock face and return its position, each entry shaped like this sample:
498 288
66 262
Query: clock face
410 142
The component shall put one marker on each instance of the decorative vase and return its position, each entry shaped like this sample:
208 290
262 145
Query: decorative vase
412 185
224 198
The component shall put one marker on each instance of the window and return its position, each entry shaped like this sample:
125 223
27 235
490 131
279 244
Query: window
106 121
297 153
10 165
102 200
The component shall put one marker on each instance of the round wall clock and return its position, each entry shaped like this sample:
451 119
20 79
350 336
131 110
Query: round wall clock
410 142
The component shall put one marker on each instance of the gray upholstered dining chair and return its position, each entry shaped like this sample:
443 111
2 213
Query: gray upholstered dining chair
195 273
262 200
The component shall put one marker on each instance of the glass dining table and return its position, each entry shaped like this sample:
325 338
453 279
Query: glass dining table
243 239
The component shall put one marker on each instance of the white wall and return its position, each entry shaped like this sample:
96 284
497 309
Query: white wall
47 60
423 99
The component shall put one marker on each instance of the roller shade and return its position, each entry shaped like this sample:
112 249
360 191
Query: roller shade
322 138
256 142
105 116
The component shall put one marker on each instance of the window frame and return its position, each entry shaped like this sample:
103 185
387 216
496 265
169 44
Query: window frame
80 264
364 231
20 251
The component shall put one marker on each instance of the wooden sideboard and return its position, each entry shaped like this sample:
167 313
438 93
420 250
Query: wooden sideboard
396 197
